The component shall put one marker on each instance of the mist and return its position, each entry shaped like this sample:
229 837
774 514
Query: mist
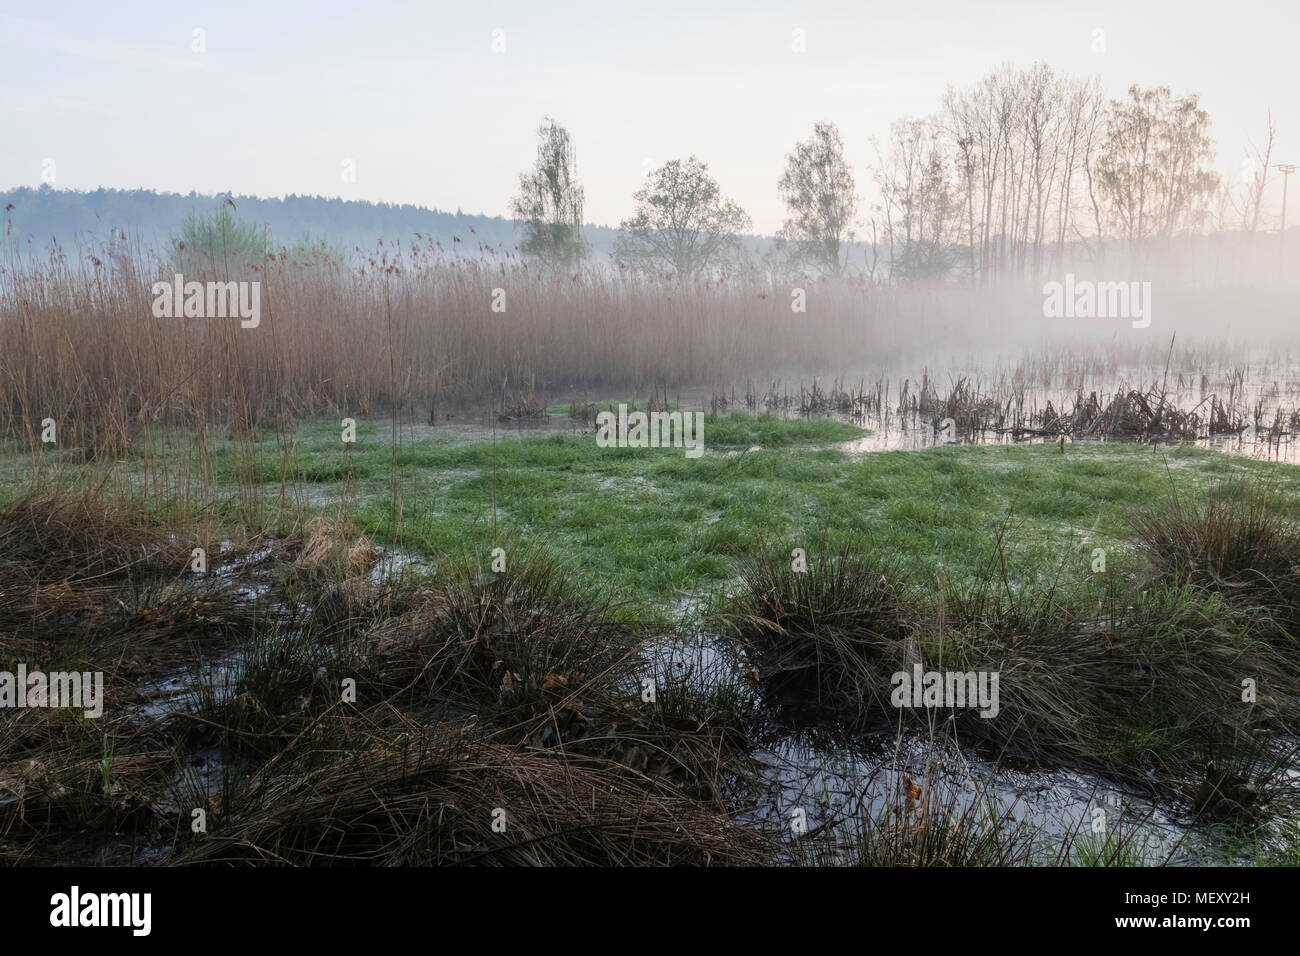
687 435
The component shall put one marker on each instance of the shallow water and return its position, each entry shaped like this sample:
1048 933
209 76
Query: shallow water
826 775
1002 406
1017 394
834 777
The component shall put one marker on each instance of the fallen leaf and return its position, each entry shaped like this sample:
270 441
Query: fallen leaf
913 791
554 682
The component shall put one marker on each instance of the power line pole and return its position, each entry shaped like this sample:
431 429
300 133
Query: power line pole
1286 169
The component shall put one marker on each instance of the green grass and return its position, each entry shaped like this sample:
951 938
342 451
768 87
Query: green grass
770 431
610 404
657 534
656 529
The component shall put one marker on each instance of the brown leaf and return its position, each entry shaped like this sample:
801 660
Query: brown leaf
554 682
912 790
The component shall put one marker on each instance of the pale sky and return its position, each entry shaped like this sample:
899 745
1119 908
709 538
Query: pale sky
415 95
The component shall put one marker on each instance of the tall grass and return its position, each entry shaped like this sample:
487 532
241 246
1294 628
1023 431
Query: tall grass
83 347
402 328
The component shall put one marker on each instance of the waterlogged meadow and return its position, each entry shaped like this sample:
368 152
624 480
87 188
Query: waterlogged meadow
816 436
498 639
430 559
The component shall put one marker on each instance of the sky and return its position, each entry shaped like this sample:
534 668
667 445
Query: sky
438 104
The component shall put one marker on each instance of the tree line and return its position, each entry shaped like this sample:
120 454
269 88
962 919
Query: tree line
1000 184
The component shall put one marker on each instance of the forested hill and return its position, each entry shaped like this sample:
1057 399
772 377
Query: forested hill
87 219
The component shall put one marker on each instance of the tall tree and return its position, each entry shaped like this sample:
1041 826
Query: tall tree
918 201
1153 168
549 203
682 223
818 189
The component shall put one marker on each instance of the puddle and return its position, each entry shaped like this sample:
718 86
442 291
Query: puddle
396 564
701 661
899 438
841 779
244 572
184 690
844 785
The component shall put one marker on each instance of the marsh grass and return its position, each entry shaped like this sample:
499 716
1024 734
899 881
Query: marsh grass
1124 842
537 670
820 635
1237 539
476 691
928 823
1140 685
376 789
484 690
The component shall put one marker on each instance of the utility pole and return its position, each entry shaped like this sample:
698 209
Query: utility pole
1286 169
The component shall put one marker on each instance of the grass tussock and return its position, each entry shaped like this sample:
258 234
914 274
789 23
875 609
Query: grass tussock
410 795
1144 685
1237 540
336 716
821 633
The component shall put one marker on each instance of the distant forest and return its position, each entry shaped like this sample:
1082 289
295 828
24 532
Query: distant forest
32 220
78 219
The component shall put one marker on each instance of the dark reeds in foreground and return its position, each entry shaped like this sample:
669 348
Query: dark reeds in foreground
374 788
317 712
298 708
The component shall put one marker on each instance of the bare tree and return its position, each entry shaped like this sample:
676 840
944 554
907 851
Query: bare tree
1083 106
917 200
1153 169
1039 161
873 251
983 125
1258 179
959 113
1092 117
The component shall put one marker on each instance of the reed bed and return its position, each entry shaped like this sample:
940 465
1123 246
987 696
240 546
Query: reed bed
408 329
83 348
